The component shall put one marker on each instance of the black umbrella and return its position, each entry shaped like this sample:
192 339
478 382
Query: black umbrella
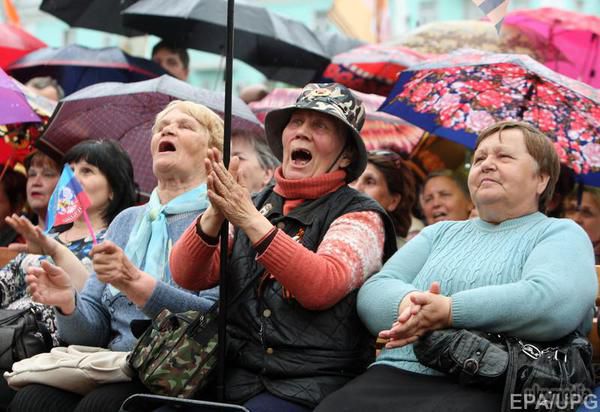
126 112
76 67
281 48
102 15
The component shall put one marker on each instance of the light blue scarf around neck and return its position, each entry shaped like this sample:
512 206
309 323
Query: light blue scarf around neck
149 241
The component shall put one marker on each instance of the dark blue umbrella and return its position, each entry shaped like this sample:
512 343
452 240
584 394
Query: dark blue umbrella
76 67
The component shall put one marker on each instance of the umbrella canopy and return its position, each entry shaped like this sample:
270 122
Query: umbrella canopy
282 49
458 96
13 104
102 15
76 67
40 104
380 131
372 68
448 36
16 138
572 35
126 112
16 43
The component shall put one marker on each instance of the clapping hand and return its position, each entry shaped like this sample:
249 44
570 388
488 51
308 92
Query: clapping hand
113 266
37 242
50 285
225 193
419 313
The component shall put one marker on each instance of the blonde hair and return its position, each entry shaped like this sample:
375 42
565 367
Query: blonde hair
539 146
203 115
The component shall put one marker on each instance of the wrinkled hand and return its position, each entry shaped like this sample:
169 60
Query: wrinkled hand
225 193
50 285
419 313
37 242
113 266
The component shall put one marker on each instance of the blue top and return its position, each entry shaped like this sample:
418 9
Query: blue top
531 277
102 319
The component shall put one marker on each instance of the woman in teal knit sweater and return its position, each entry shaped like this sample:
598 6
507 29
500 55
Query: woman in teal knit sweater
512 270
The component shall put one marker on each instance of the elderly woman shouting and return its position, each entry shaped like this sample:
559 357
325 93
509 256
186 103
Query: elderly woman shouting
299 255
512 270
132 278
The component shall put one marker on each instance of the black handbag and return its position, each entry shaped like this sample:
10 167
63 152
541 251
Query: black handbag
22 335
549 376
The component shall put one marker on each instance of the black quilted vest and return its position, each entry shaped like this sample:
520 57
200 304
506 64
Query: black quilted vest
274 343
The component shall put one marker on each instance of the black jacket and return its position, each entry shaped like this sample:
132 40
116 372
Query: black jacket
274 343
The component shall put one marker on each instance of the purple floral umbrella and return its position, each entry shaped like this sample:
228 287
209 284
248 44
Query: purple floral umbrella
13 104
458 95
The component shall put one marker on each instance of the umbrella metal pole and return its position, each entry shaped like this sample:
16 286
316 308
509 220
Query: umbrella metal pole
224 229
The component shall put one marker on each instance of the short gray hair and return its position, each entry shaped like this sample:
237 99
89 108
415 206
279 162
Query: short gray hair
42 82
266 158
457 178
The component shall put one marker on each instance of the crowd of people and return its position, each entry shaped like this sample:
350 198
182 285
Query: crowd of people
331 247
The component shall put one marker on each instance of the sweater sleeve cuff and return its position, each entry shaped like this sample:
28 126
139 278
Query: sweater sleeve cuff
209 240
279 252
262 245
195 243
66 318
155 303
459 311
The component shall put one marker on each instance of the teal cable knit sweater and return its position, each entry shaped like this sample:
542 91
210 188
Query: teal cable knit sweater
531 277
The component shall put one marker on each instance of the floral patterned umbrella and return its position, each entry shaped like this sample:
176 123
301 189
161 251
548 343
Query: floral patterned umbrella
372 68
380 131
565 33
446 37
457 96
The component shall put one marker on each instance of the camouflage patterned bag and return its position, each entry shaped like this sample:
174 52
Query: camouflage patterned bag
177 353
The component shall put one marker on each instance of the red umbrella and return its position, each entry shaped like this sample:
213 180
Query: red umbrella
574 35
372 68
15 43
380 131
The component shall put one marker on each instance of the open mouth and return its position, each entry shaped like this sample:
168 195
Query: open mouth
440 216
300 157
166 146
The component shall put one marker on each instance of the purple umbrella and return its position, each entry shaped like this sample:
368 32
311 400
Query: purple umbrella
13 104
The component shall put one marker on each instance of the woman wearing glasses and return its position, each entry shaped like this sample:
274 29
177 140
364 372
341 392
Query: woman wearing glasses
389 181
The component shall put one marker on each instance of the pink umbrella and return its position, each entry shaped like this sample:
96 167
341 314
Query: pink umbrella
380 131
573 36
